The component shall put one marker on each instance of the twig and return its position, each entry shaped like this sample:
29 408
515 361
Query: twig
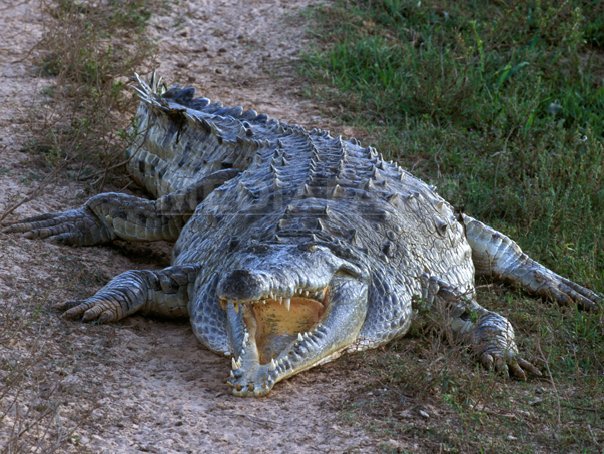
27 54
254 419
104 171
593 436
33 194
575 407
551 378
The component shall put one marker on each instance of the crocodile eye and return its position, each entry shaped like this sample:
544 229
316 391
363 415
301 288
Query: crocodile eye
308 247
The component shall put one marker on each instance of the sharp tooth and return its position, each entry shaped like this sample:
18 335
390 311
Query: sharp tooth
234 364
272 365
306 293
236 306
300 338
246 336
280 300
287 303
231 374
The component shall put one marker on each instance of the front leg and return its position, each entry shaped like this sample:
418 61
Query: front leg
490 335
492 338
113 215
162 293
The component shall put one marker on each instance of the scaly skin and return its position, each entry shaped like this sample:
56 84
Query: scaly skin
292 246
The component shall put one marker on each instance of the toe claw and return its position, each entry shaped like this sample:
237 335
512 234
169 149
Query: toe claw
529 367
105 317
66 305
92 313
487 361
517 370
501 367
77 311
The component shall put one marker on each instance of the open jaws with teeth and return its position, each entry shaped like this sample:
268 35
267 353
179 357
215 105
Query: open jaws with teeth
316 295
279 334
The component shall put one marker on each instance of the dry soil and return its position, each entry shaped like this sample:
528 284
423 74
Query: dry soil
144 385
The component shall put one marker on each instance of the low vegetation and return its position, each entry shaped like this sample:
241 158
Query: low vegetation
501 105
90 49
86 53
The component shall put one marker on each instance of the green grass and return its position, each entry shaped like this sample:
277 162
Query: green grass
501 106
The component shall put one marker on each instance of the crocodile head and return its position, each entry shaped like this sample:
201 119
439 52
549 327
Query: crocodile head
289 308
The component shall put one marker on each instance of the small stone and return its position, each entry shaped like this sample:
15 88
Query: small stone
71 382
397 445
424 414
554 108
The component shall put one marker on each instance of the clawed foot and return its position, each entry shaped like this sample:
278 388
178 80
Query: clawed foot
76 227
541 281
493 343
560 289
123 296
90 311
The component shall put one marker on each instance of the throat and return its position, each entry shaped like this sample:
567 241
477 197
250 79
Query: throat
276 326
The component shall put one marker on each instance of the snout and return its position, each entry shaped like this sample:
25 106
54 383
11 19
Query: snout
241 285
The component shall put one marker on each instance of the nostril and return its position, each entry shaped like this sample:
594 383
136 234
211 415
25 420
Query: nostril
241 285
239 275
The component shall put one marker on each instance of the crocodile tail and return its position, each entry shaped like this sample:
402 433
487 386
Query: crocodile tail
155 94
179 139
151 91
150 160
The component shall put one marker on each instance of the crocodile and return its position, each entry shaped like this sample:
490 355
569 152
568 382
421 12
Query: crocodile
292 246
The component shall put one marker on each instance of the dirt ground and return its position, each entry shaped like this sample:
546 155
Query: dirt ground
145 385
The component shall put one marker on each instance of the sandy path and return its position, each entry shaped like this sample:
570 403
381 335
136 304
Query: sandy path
144 385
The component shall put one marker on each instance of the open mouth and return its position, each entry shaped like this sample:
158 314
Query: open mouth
277 327
276 322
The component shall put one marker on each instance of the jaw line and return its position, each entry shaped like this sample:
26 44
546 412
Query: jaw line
337 329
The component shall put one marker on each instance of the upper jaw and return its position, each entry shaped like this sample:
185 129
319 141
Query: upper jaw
282 297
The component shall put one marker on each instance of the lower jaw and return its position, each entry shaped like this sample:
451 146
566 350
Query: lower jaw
267 357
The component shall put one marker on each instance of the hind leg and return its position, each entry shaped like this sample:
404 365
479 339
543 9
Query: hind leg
112 215
497 255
